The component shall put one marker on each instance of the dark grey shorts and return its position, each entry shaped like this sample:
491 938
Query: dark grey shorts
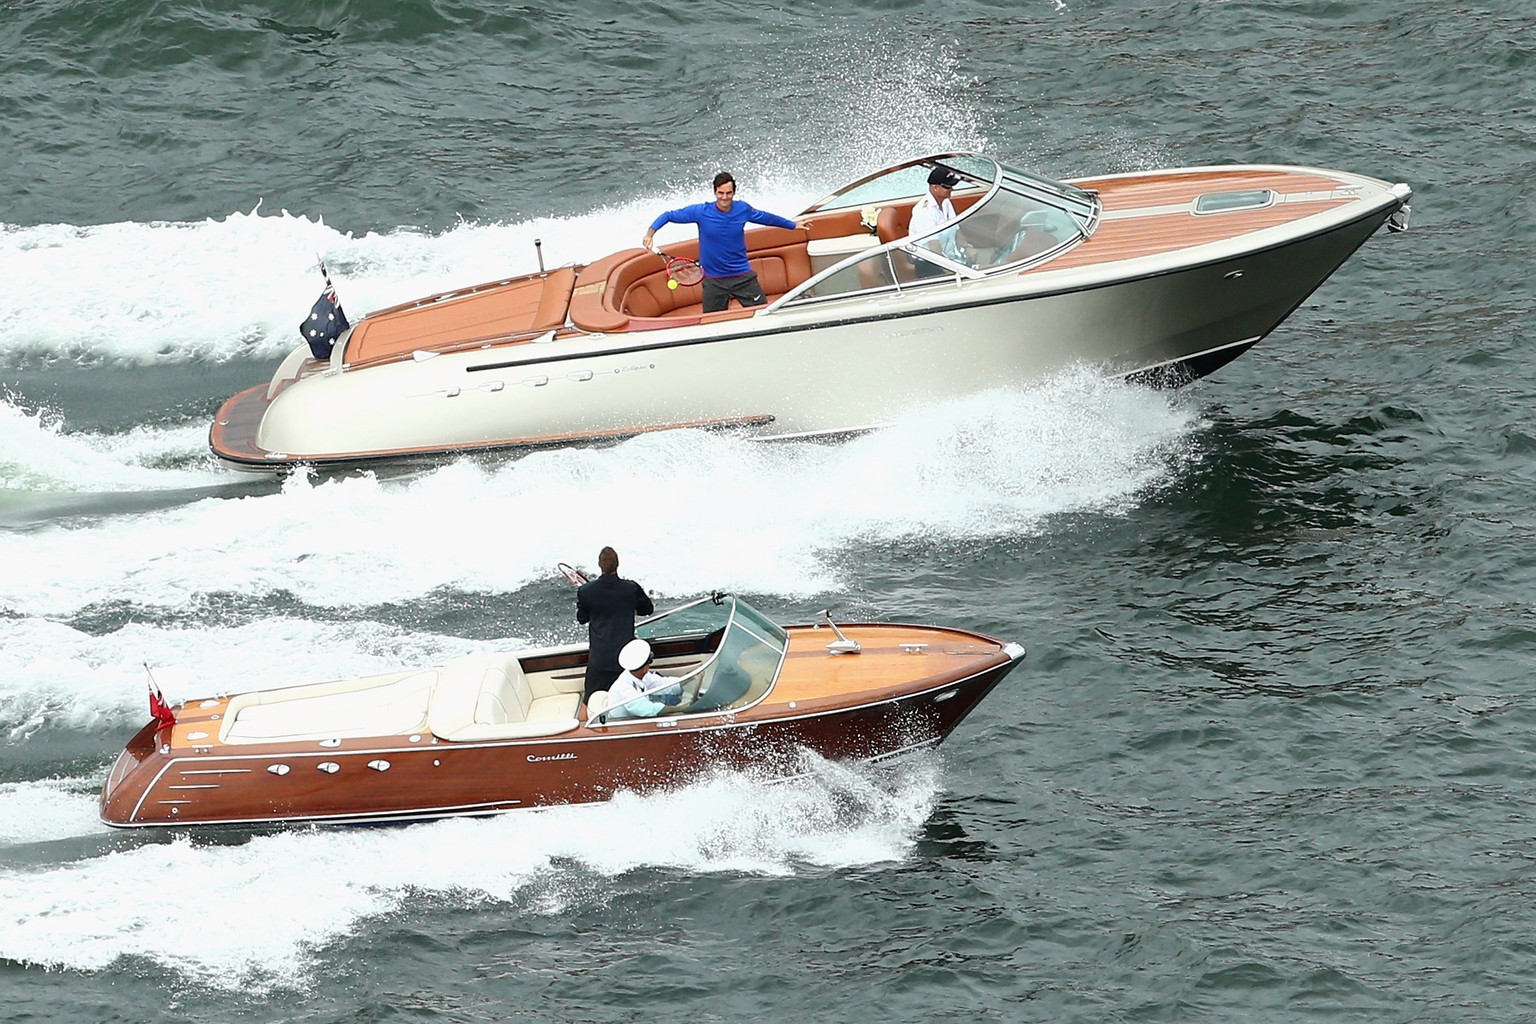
718 291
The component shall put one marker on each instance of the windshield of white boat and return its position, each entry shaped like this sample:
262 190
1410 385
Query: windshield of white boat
1006 230
744 664
1025 220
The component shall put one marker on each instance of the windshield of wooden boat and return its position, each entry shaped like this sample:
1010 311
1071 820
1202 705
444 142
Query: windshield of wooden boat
743 666
694 619
909 180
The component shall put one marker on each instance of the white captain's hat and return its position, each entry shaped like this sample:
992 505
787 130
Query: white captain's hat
634 654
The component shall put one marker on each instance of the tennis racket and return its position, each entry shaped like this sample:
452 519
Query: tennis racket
570 572
680 269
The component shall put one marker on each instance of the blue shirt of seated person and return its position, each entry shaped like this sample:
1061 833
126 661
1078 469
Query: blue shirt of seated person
628 696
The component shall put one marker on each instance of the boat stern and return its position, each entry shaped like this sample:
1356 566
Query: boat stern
132 775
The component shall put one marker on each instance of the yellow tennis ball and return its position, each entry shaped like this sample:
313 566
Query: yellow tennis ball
672 284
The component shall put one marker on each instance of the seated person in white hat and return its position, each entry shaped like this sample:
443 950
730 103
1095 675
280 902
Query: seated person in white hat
625 698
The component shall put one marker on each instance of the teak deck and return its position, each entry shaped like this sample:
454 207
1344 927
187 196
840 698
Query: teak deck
811 674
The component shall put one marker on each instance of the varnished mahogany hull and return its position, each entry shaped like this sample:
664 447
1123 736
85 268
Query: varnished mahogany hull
151 786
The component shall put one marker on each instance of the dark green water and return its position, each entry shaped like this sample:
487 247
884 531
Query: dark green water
1268 758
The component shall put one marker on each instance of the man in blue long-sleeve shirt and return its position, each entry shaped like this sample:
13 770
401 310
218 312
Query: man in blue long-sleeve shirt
723 243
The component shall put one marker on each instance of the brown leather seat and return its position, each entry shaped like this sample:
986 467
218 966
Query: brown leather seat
892 222
628 291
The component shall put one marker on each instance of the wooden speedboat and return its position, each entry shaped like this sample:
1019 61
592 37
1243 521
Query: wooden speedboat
501 730
1167 274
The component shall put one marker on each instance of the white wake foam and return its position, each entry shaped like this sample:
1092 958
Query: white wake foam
237 284
262 914
56 677
49 809
678 505
36 456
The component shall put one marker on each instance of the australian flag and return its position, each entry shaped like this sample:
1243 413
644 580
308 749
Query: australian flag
325 322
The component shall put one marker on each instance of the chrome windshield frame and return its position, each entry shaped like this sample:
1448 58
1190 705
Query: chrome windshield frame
651 620
987 174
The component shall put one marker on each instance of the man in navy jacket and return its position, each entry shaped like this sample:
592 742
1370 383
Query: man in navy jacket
608 605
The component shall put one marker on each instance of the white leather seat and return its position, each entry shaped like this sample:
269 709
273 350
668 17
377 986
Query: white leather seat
487 696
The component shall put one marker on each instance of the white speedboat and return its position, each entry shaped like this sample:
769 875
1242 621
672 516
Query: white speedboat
1165 275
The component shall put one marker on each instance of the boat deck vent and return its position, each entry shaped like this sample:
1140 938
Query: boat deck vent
1227 202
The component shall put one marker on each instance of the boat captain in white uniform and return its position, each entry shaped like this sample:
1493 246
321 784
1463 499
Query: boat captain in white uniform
628 697
931 211
935 208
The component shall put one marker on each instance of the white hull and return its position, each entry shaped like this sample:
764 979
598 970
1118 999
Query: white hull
828 367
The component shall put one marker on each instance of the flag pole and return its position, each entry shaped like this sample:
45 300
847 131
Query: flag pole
159 710
326 321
